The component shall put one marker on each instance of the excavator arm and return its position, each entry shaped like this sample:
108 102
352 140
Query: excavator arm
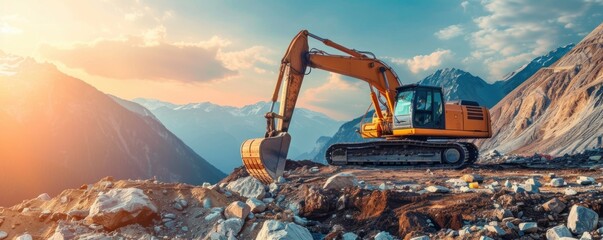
265 157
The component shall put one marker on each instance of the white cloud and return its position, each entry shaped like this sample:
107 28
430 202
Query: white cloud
513 32
464 4
420 63
449 32
245 59
337 98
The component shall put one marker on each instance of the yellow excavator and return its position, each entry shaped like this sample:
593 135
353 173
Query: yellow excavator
418 129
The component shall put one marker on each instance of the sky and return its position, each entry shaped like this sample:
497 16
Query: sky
228 52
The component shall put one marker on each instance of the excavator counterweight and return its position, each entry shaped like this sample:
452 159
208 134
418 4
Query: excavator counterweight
407 117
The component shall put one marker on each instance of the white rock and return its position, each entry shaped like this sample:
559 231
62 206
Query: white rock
528 227
206 185
120 207
508 184
341 180
582 180
582 219
276 230
350 236
421 238
256 205
207 203
533 181
531 188
495 229
229 226
3 235
24 237
384 236
586 236
557 182
314 170
595 158
281 179
248 187
570 192
437 189
455 182
558 232
213 216
44 197
237 209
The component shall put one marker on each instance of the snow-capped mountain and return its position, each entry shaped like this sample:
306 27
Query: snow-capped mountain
218 131
517 77
458 84
556 111
57 132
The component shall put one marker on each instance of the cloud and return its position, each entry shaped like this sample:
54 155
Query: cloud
420 63
513 32
338 98
245 59
449 32
148 57
8 22
464 4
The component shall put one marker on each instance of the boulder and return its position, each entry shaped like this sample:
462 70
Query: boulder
437 189
25 236
557 182
570 192
532 188
248 187
120 207
533 181
277 230
582 180
586 236
558 232
508 184
350 236
518 189
472 178
237 209
495 229
528 227
582 219
554 205
3 235
384 236
341 180
503 213
231 226
256 205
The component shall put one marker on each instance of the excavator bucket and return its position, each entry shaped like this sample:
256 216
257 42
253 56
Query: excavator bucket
265 158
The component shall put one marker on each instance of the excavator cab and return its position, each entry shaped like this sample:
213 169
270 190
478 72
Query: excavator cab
419 107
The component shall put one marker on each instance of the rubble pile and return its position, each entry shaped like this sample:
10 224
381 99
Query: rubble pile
313 201
589 159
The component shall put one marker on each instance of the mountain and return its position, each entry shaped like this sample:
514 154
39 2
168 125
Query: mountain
559 109
346 133
58 132
458 84
517 77
218 131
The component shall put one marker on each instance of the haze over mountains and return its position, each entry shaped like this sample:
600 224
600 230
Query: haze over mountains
217 131
58 132
559 109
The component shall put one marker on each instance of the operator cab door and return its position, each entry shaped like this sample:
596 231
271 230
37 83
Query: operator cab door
419 107
428 108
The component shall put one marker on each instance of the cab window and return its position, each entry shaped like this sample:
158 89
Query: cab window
404 103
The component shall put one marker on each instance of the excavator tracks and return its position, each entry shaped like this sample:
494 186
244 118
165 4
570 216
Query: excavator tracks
408 154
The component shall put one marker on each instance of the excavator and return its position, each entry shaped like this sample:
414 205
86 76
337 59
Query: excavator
412 126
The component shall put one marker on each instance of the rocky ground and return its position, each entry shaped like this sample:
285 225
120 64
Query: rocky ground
503 197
